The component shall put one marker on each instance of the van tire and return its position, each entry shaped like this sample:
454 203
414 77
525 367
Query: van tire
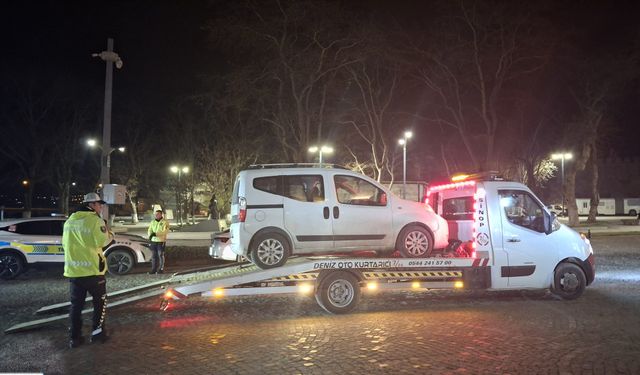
414 241
569 281
269 250
633 213
11 265
338 292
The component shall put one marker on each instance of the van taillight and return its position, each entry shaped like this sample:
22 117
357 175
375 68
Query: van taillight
242 214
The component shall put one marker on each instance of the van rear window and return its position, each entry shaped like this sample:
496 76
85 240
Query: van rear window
458 208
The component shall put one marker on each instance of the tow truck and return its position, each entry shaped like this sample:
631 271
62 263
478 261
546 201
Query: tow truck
502 237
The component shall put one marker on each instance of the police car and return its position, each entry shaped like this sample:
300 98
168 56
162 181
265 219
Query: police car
39 240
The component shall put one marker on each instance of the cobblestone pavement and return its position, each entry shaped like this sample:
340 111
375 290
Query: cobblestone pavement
402 332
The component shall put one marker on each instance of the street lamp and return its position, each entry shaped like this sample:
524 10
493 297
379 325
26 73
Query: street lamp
321 150
179 170
403 142
109 57
562 156
93 144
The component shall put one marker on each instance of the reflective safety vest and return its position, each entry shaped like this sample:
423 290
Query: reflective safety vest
160 228
84 236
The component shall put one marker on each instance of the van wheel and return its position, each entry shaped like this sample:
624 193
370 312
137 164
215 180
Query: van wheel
414 242
270 250
338 292
11 265
569 281
120 262
633 213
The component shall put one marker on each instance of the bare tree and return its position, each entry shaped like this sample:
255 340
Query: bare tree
471 68
28 125
302 46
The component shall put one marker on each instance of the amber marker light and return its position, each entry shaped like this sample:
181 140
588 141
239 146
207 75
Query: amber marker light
218 292
372 285
458 285
305 288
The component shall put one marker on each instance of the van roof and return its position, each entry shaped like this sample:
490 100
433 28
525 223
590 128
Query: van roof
295 165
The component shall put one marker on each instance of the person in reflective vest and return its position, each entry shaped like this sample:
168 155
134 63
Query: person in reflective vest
158 230
84 236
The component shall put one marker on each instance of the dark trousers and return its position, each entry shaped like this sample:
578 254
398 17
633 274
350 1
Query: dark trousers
97 288
157 259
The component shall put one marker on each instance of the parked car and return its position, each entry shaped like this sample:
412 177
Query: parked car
288 209
39 240
557 209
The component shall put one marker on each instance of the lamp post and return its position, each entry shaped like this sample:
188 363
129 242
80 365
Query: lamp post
109 57
321 150
403 142
179 170
562 157
106 155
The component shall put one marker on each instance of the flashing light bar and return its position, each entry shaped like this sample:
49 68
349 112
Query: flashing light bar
454 185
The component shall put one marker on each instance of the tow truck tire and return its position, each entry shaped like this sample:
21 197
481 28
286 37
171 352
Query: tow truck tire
269 250
338 292
11 265
569 281
120 262
414 241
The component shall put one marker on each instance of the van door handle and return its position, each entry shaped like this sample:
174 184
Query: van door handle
513 239
325 211
336 212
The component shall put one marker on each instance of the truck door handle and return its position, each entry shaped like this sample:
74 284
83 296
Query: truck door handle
336 212
325 211
513 239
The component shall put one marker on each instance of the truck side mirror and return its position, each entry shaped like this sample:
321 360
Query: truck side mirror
549 218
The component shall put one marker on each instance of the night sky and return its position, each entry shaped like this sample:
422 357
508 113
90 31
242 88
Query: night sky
166 49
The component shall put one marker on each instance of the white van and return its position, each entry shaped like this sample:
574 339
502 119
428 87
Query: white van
606 206
631 206
281 210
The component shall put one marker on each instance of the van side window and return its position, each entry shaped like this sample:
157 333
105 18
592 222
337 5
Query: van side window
304 188
460 208
268 184
521 209
356 191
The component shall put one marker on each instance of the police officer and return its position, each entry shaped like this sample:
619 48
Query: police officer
157 231
85 234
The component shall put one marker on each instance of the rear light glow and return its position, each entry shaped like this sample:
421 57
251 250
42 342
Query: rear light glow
242 214
458 285
415 284
372 285
218 292
168 294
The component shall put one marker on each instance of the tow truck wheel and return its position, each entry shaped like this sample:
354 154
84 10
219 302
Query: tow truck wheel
120 262
269 250
10 265
414 242
338 292
569 281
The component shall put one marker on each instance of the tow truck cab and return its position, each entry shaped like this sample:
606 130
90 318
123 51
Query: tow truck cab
506 227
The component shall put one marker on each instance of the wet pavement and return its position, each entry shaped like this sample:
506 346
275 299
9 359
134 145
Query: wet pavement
402 332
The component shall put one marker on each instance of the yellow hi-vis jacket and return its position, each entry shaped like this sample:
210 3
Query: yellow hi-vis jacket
83 237
160 228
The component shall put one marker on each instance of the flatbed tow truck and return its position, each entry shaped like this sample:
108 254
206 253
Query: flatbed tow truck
501 238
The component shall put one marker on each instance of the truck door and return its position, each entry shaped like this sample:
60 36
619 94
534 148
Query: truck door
530 252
